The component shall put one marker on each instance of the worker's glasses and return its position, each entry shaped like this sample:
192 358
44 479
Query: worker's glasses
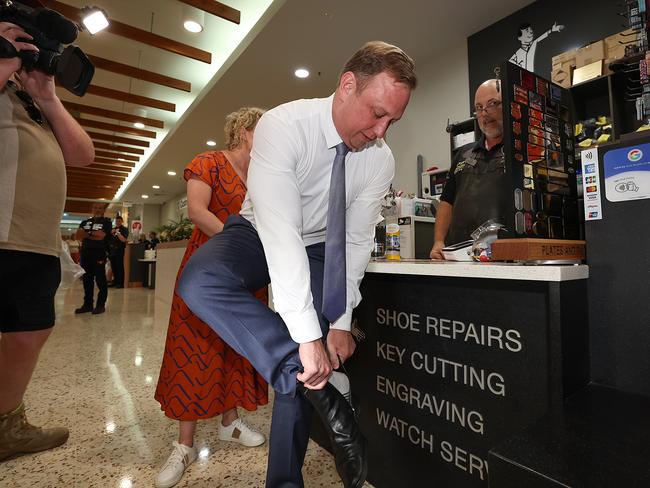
31 108
490 107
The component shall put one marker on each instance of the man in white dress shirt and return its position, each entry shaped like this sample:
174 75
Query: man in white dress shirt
279 237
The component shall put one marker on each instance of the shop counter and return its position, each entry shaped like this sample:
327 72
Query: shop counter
168 260
505 271
134 274
453 358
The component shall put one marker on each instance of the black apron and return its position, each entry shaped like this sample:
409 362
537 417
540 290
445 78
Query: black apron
481 190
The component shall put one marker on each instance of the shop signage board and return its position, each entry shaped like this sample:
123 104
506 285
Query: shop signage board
447 368
182 203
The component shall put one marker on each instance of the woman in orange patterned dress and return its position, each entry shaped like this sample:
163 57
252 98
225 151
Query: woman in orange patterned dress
201 376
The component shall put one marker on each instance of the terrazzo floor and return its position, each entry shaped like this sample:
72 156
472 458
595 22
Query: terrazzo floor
97 376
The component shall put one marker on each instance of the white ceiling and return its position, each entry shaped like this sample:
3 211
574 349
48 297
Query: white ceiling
163 17
317 34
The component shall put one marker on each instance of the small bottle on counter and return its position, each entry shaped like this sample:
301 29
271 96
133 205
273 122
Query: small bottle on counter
392 242
379 246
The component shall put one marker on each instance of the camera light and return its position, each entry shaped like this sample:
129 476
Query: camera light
94 20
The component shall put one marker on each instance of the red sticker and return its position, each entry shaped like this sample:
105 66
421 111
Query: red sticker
528 80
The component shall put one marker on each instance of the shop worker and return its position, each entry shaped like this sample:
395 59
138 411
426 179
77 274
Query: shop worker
475 189
94 234
319 170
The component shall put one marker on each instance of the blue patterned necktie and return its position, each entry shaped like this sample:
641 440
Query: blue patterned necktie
334 285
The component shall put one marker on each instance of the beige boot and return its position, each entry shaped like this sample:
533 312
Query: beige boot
17 436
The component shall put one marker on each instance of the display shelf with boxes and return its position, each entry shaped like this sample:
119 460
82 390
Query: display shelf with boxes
594 60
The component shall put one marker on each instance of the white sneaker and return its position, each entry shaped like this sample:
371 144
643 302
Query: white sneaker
240 431
177 462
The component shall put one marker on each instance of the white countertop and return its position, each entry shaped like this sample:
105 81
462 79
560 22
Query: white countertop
500 271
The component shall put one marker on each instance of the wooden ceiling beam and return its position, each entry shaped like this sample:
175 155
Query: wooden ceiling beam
135 34
81 171
91 189
92 185
140 74
216 8
91 174
104 172
94 196
92 193
106 194
102 91
94 182
115 147
75 206
110 167
95 124
115 155
112 114
114 162
113 138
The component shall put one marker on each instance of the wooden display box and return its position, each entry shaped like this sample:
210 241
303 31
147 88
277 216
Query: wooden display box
538 250
590 54
615 45
588 72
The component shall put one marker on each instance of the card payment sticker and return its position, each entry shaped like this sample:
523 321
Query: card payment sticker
592 197
627 173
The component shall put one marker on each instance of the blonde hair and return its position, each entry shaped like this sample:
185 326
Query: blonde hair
244 118
376 57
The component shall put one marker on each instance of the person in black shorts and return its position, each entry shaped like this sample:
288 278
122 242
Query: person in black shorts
116 249
94 234
38 138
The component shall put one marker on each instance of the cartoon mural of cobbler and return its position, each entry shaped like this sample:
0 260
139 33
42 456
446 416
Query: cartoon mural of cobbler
525 55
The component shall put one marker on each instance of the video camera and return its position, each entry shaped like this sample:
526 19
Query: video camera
50 31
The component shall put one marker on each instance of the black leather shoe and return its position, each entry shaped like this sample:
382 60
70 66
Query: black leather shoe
84 309
349 445
99 309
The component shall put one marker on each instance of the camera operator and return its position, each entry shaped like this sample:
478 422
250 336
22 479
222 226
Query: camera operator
116 249
37 139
